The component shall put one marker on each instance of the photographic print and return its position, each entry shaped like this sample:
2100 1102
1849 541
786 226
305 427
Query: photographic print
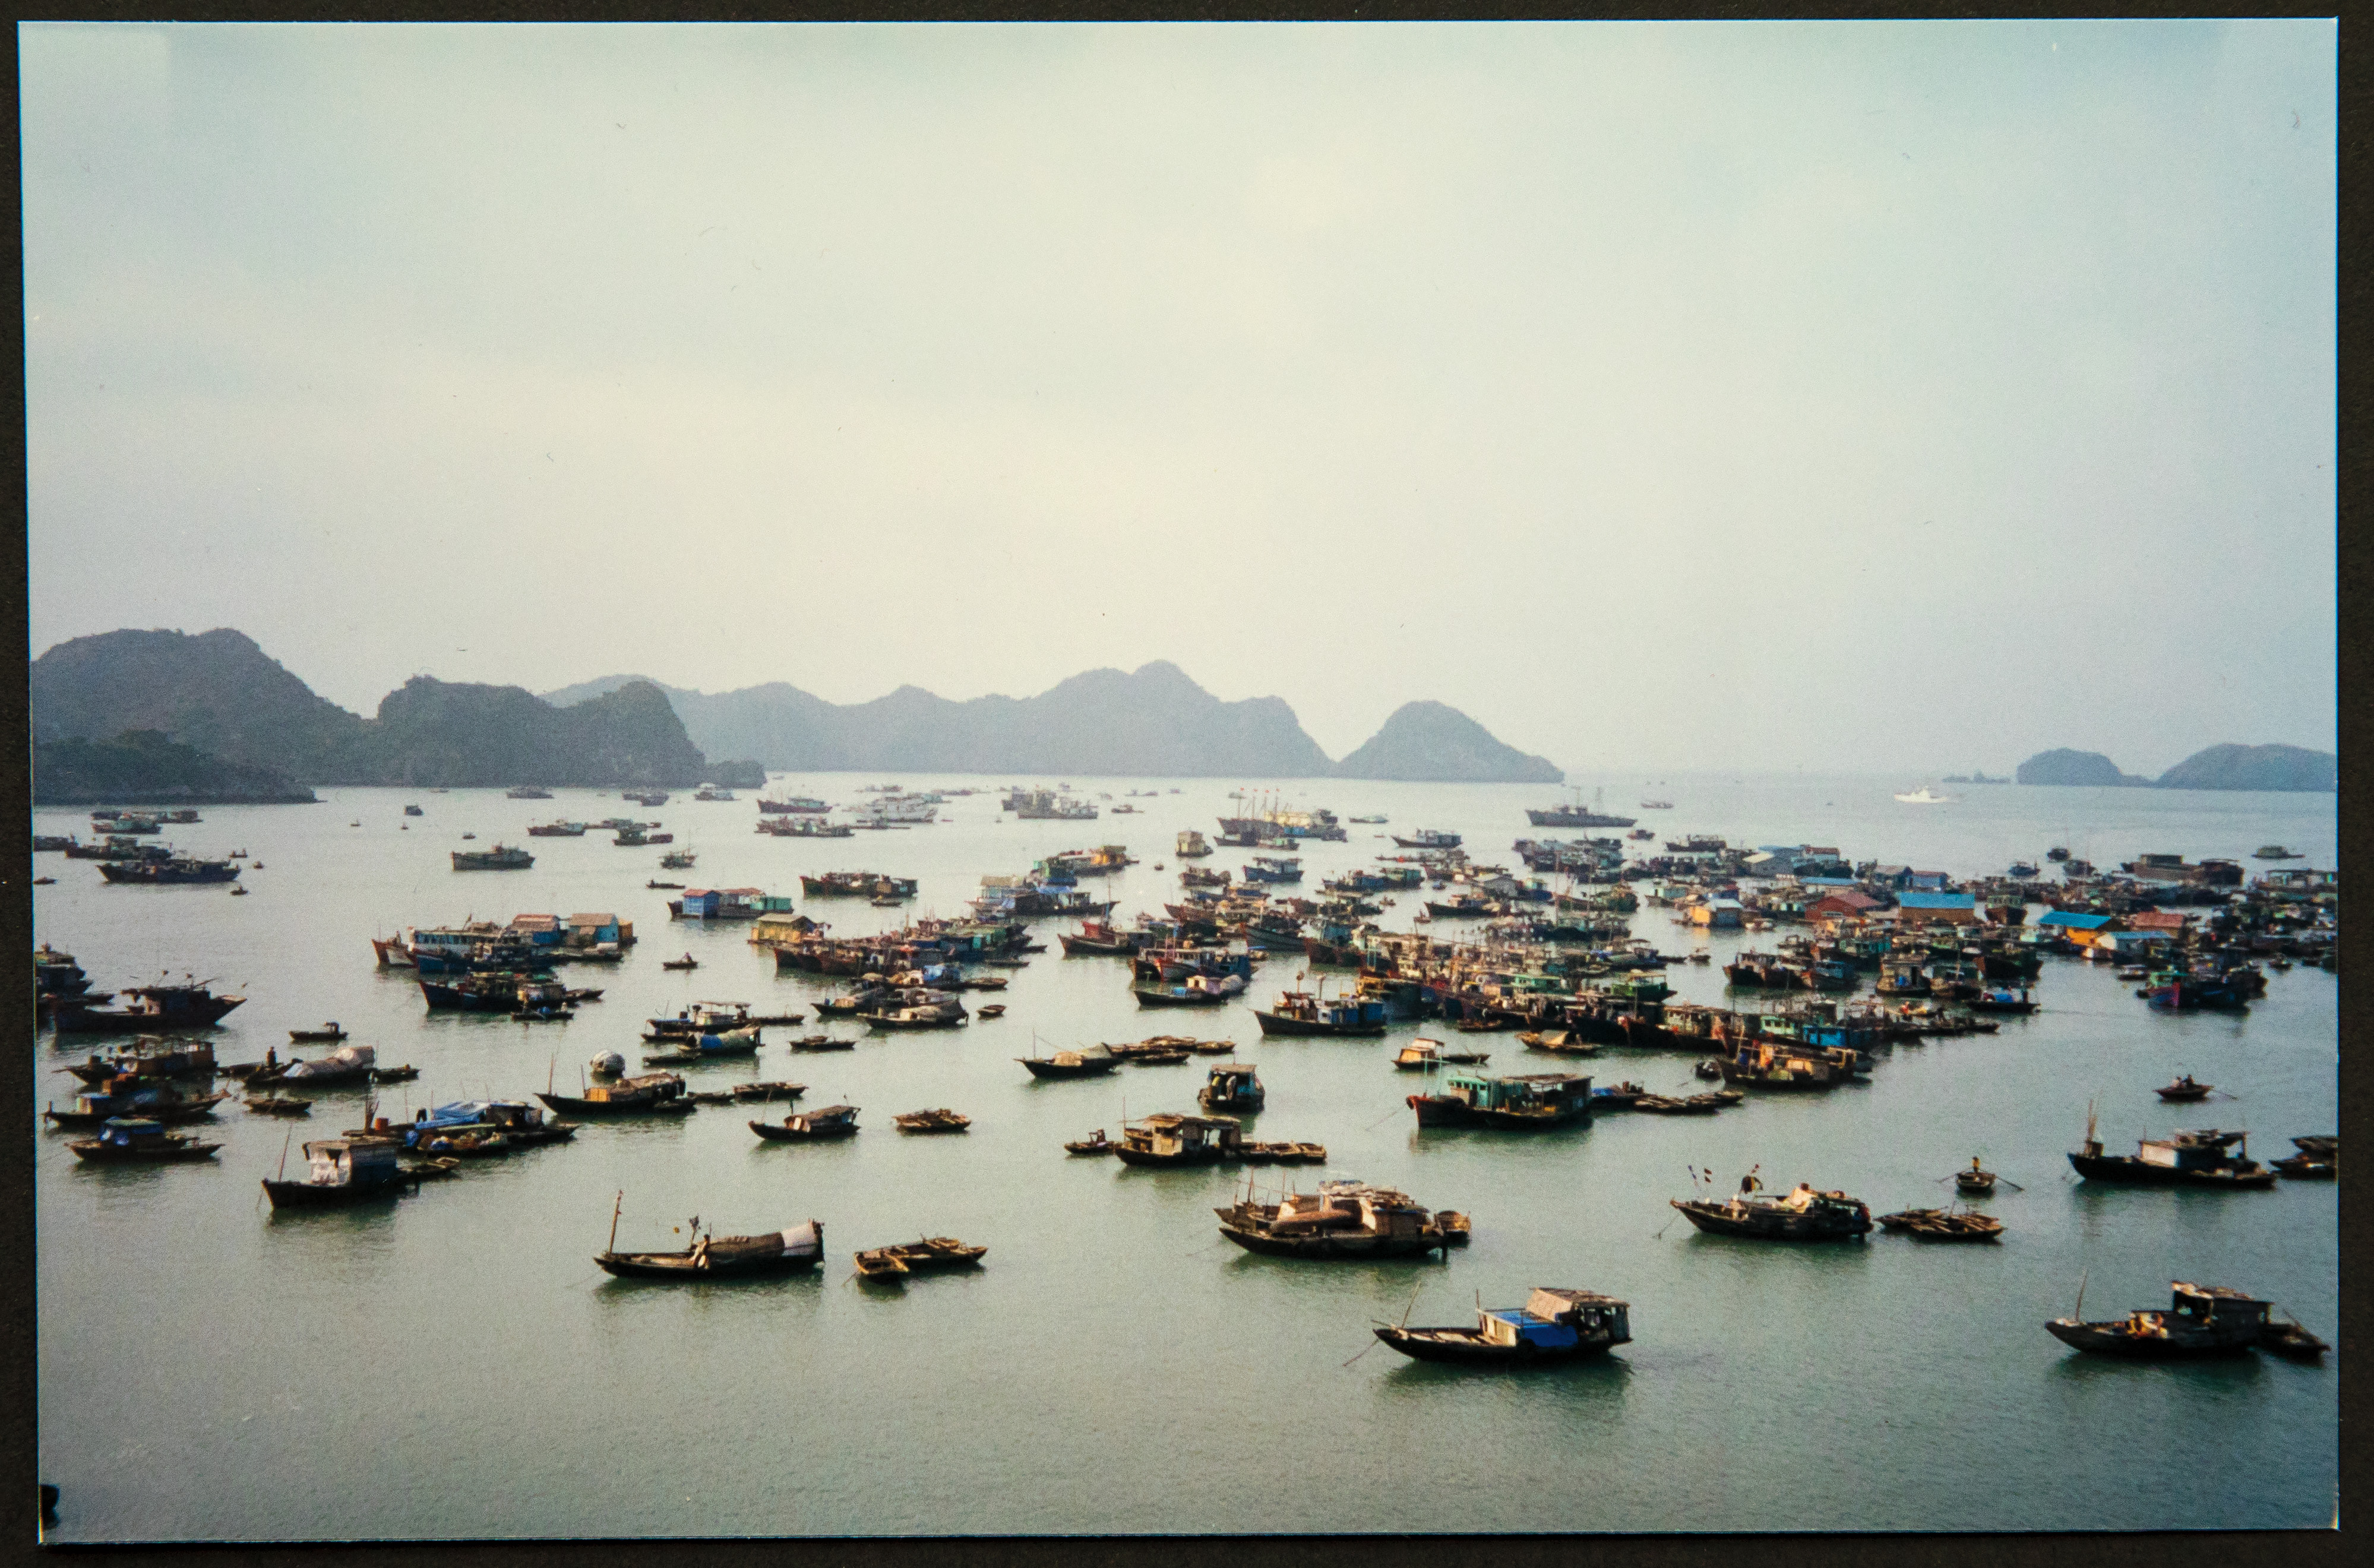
930 780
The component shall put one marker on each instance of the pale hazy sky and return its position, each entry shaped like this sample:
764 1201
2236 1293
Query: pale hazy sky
1910 396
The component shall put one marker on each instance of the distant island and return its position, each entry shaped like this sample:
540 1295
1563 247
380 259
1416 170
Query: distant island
1154 719
1428 743
231 705
2290 767
143 767
220 695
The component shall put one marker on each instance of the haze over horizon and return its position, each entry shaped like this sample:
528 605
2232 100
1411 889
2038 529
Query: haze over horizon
1859 397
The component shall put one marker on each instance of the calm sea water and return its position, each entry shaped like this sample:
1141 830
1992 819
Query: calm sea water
455 1366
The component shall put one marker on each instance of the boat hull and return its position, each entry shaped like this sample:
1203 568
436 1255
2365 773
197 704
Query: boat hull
2105 1339
2125 1170
1184 999
1334 1247
775 1132
307 1195
1764 1226
1467 1347
1444 1111
1279 1023
563 1105
684 1268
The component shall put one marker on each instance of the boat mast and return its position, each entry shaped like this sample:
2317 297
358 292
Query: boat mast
615 1204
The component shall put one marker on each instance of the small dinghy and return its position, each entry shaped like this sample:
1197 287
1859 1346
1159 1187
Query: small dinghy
2185 1088
1941 1225
942 1120
280 1105
688 961
932 1254
1095 1143
328 1034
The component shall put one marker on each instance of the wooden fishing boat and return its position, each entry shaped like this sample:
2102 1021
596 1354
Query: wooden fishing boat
2201 1320
1525 1101
2185 1088
1286 1152
1344 1219
146 1102
933 1255
995 1009
1095 1143
1976 1182
942 1120
1071 1064
1804 1215
791 1250
648 1094
128 1140
1554 1325
1941 1225
1559 1042
688 961
1232 1088
1668 1105
2183 1159
822 1042
810 1127
328 1034
343 1171
772 1088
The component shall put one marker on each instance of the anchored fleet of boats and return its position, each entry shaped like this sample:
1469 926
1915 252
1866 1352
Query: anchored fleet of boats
1559 966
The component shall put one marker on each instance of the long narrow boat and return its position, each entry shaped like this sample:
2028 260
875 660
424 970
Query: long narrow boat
652 1094
794 1249
810 1127
2201 1320
1804 1215
1554 1325
125 1140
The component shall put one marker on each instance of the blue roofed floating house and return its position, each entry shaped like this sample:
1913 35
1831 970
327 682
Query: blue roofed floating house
1953 909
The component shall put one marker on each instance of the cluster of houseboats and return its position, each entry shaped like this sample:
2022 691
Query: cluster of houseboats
1556 967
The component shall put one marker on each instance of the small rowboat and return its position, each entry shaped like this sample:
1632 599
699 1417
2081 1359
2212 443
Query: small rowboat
1095 1143
772 1088
930 1255
688 961
940 1121
2185 1088
995 1010
404 1074
823 1043
280 1105
328 1034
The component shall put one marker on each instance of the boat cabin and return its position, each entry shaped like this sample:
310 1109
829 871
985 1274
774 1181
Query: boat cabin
2200 1150
1524 1091
1556 1319
2196 1306
350 1161
1167 1134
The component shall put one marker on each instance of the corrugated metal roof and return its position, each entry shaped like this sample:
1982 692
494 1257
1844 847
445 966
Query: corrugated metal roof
1937 901
2071 920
